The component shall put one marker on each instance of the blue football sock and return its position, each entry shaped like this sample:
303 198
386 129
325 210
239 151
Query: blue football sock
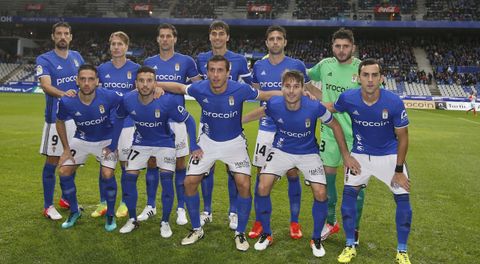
110 189
130 194
255 199
48 179
332 197
193 207
244 208
179 178
295 197
349 212
265 212
122 182
63 196
403 219
207 189
152 185
319 213
166 178
67 183
103 195
232 193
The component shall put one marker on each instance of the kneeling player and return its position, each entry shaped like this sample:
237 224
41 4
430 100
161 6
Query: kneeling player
91 112
153 138
295 146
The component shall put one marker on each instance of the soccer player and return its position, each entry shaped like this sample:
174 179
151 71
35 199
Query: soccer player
380 128
336 74
90 110
153 137
295 146
118 75
472 98
170 66
221 139
267 75
219 35
56 71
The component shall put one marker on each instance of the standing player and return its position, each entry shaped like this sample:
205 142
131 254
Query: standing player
118 75
337 74
472 98
267 76
219 35
295 146
153 137
380 127
91 112
221 139
57 71
176 67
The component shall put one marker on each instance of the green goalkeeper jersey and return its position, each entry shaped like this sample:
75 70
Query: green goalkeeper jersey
336 78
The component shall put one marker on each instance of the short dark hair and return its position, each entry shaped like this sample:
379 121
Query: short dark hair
280 29
293 74
343 33
217 58
61 24
218 24
167 26
369 61
86 66
146 69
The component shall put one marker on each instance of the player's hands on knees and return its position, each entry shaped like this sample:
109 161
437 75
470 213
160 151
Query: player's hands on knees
400 180
158 91
66 155
70 93
352 164
197 154
108 154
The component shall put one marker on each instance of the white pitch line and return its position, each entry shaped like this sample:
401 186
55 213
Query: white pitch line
470 121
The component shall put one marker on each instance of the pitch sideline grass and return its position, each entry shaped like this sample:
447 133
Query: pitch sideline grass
443 161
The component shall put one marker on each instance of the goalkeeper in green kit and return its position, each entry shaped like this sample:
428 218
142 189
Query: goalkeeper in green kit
337 74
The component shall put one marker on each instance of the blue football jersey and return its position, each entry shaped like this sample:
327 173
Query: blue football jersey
120 80
238 66
269 77
92 121
62 72
295 132
179 68
222 113
374 126
151 120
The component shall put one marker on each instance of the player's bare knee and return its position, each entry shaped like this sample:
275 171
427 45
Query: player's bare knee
52 160
180 163
319 191
107 173
66 170
263 189
152 163
292 173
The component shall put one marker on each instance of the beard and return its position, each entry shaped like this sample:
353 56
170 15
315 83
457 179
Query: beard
345 60
63 45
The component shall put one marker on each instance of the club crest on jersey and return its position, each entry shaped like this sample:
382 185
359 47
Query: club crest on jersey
129 75
177 66
102 109
231 101
307 122
354 78
157 113
39 69
76 63
385 114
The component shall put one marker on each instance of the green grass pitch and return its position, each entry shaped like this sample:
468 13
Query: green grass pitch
443 161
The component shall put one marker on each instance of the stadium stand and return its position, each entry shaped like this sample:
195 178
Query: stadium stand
452 10
320 10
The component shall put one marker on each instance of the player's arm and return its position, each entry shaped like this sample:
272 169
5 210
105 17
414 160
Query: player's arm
254 115
256 85
173 87
399 178
62 134
121 114
196 152
196 78
266 95
313 90
48 88
348 161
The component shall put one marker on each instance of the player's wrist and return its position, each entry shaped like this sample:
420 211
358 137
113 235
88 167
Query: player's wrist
399 168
